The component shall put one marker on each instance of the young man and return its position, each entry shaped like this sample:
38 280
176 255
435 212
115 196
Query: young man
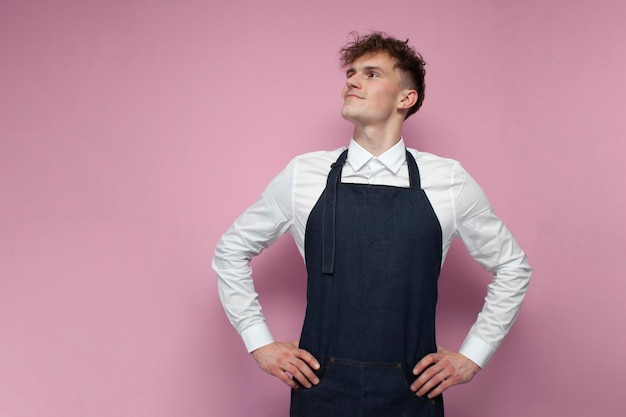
373 223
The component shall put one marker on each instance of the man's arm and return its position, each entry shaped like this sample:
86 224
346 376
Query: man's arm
256 229
492 245
259 226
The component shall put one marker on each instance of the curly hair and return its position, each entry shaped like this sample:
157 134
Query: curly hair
409 61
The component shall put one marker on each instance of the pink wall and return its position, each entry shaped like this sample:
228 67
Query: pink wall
129 131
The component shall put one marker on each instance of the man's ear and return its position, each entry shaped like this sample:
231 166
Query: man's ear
408 99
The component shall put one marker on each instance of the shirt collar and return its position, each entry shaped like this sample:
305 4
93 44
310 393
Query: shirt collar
392 158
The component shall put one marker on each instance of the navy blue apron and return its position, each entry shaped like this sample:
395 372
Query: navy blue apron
373 256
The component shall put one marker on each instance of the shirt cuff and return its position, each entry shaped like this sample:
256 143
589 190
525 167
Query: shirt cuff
256 336
477 350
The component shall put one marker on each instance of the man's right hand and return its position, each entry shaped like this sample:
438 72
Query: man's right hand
288 363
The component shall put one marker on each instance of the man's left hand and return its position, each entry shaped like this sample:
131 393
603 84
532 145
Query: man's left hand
439 371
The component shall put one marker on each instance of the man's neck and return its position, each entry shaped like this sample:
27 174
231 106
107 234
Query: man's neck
376 141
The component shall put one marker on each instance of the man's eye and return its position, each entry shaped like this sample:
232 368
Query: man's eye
372 75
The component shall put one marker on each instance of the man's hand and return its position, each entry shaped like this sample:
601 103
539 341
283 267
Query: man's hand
439 371
288 363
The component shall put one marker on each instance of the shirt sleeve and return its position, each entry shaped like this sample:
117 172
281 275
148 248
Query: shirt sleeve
493 246
254 230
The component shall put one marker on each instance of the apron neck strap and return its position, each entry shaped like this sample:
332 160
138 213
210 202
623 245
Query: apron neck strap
330 206
414 172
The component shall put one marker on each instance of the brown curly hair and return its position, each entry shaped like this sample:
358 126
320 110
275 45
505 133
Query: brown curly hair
409 61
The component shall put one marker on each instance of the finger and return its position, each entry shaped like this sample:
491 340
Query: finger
308 358
424 363
430 377
300 377
309 375
282 372
431 386
304 375
440 388
305 363
287 379
425 375
302 372
437 390
297 369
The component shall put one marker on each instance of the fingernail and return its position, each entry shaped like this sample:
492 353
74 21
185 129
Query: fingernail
316 381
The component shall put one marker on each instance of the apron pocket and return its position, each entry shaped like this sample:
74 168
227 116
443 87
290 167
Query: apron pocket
350 388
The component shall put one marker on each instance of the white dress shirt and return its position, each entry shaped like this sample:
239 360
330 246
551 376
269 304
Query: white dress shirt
459 203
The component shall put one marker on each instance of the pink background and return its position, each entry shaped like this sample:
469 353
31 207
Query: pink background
133 132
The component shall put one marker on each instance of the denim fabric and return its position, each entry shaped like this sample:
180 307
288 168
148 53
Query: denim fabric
365 389
373 255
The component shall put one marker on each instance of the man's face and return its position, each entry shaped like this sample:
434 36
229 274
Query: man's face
373 90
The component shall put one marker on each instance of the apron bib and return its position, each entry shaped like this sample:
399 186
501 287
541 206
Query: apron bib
373 256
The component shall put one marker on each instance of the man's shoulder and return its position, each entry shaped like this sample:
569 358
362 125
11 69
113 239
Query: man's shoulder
321 155
429 160
318 159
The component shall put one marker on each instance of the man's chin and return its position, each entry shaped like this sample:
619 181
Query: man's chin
348 115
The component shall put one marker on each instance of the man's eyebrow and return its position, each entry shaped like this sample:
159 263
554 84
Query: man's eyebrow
373 68
350 71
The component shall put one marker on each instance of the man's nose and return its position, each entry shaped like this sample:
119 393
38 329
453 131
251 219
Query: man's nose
353 81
